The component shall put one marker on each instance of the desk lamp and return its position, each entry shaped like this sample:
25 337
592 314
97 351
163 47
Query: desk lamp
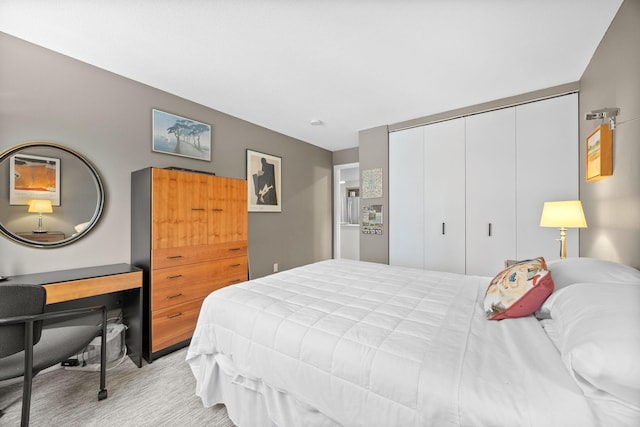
40 206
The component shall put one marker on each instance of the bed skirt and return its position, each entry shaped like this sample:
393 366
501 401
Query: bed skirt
250 402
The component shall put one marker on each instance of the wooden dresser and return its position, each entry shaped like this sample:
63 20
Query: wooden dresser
189 235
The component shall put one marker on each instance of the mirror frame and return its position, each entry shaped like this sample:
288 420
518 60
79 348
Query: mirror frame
5 155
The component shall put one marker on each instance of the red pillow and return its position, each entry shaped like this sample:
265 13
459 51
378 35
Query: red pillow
518 290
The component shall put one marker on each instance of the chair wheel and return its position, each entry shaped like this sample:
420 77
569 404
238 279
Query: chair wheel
102 394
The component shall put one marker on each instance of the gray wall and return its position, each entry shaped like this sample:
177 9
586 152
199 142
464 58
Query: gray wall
107 118
343 157
612 205
374 154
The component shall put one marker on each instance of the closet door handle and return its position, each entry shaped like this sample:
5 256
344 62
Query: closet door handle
235 265
443 228
234 249
174 257
177 276
489 229
173 316
174 296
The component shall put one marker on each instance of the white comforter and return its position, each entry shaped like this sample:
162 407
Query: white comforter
373 345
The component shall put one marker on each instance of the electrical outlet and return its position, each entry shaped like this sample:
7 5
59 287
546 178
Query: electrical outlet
275 267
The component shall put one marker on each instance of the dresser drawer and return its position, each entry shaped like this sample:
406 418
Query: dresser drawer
175 285
174 324
169 257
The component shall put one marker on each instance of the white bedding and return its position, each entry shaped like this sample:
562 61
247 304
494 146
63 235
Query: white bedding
362 344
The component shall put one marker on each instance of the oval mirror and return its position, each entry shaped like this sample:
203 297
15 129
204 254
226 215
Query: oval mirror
50 195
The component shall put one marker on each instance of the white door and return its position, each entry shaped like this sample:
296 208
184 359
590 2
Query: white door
547 170
490 191
406 191
444 196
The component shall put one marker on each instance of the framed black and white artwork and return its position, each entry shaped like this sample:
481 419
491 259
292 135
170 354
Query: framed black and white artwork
264 182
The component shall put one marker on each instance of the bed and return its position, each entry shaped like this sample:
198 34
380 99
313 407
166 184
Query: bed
349 343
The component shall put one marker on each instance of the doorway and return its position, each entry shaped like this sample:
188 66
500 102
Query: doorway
346 204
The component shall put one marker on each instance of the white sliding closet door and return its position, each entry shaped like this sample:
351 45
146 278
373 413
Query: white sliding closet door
444 196
466 194
490 191
406 187
547 170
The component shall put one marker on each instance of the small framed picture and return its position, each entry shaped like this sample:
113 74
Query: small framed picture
34 177
599 154
264 182
180 136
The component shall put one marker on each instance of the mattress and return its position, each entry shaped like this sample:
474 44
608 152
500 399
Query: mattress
364 344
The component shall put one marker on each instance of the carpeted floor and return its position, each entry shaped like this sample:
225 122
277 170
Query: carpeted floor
158 394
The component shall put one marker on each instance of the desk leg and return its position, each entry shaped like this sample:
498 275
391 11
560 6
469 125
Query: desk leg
132 313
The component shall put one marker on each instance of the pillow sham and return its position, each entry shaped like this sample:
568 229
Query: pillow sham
597 332
590 270
518 290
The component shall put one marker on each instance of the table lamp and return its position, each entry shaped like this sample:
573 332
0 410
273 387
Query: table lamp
40 206
563 214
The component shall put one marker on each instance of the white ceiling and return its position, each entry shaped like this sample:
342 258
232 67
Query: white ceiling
353 64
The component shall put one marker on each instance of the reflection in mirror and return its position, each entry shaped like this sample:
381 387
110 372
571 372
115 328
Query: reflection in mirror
50 195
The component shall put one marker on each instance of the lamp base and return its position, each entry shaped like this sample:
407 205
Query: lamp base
563 243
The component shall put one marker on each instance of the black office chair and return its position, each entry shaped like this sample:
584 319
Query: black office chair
26 347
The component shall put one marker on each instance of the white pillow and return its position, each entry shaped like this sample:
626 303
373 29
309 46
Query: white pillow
568 271
80 227
598 335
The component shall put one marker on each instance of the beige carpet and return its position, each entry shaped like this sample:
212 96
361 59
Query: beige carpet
158 394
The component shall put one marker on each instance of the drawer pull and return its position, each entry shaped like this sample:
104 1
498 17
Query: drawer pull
235 265
197 209
174 296
177 276
173 316
217 210
174 257
234 249
235 281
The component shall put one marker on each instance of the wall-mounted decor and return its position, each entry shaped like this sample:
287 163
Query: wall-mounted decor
34 177
372 222
264 182
599 154
180 136
371 183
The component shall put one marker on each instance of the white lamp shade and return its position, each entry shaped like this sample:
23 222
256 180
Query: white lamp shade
40 206
563 214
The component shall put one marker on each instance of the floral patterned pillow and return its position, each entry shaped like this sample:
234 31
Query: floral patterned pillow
518 290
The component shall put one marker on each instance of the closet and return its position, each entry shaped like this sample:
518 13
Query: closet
466 194
189 235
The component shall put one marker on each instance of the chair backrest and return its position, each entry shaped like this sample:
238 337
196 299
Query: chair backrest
19 300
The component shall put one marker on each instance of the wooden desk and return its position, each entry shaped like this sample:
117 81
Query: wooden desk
49 236
85 286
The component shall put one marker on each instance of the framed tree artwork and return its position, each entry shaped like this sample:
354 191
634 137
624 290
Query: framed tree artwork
180 136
